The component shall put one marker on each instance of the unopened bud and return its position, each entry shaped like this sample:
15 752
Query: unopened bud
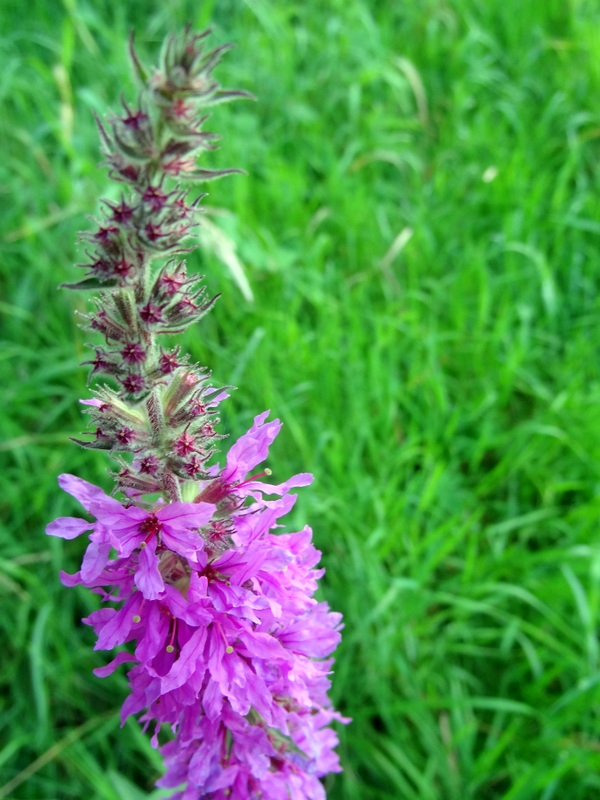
181 386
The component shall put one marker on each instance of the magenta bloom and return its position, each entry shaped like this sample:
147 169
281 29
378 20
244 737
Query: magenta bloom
230 648
129 528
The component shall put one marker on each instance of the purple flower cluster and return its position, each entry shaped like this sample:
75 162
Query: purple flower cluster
230 647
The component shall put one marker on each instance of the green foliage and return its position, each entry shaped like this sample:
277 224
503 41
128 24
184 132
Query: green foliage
419 230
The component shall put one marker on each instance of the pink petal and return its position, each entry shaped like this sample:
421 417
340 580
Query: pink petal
81 490
94 560
121 658
155 633
184 516
212 700
115 516
70 580
187 543
252 448
302 479
148 578
190 659
113 629
68 527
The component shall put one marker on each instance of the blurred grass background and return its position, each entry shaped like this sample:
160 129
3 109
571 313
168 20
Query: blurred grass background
420 230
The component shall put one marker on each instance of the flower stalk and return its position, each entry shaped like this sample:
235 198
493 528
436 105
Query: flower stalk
230 650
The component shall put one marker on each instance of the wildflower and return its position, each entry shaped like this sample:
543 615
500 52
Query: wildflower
225 640
171 527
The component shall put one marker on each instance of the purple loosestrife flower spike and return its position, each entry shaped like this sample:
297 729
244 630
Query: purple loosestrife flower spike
225 641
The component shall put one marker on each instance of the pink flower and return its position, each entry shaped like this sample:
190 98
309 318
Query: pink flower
250 450
228 644
172 527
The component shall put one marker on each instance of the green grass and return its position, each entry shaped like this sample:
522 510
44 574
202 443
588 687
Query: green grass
420 229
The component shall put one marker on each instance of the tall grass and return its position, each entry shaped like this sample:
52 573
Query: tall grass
419 230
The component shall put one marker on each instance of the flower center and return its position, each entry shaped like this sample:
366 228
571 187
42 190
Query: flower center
151 526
